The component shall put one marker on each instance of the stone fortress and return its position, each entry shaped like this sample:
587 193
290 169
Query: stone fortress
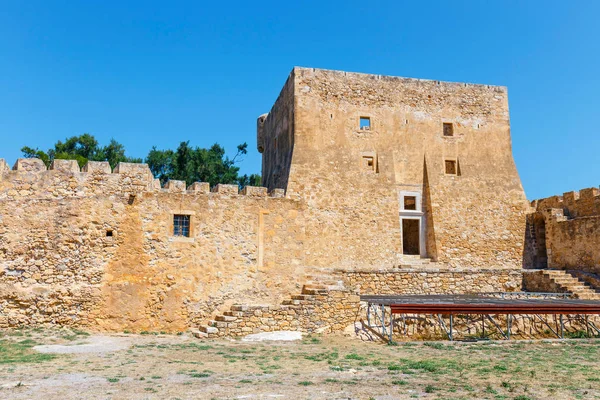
373 185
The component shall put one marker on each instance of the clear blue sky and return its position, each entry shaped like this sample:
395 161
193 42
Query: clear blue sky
157 73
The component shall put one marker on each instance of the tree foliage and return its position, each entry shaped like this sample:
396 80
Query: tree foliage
186 163
82 148
196 164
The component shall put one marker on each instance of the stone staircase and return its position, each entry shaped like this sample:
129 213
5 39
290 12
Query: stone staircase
566 283
315 308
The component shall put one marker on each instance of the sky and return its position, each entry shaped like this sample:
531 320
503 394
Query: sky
157 73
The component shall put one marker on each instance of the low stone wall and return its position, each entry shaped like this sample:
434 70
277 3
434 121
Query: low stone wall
328 311
536 281
432 281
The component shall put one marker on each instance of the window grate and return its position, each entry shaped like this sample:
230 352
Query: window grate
181 225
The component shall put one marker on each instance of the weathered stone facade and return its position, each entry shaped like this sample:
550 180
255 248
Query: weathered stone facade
355 178
564 232
364 174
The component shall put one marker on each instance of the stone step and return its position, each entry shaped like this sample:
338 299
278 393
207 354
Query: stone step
225 318
198 333
208 329
234 313
303 297
315 292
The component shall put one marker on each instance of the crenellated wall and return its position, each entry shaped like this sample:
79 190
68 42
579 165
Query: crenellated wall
96 248
566 230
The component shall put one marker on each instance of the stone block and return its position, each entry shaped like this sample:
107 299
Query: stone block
65 165
277 193
3 166
134 169
29 165
175 186
226 189
254 191
99 167
199 187
588 193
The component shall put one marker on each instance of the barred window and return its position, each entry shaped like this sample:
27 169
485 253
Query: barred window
181 225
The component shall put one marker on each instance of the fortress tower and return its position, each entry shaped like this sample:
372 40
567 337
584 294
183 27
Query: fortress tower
392 168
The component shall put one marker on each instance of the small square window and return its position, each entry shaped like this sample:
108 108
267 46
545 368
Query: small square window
448 129
181 225
365 123
369 162
410 202
109 233
451 167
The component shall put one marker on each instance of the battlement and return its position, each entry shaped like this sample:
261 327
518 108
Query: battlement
29 176
582 203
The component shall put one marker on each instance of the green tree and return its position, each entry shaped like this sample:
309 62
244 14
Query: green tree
196 164
81 148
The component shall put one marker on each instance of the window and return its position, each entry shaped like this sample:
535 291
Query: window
448 129
369 161
410 202
109 233
451 167
365 123
181 225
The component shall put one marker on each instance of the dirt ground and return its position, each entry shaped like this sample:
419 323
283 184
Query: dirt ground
127 366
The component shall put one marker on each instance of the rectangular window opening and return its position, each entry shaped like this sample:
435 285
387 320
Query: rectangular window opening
448 129
365 123
181 225
109 233
410 202
451 167
369 163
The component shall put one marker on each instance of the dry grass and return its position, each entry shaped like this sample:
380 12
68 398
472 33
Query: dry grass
163 366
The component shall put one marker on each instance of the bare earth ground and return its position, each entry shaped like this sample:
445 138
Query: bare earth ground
318 367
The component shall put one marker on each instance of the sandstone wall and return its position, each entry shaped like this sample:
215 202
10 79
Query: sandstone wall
474 219
433 281
97 248
567 229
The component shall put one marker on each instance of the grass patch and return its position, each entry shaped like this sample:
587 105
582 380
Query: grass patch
305 383
21 352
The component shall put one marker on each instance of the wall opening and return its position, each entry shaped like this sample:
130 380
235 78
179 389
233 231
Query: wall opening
181 225
410 237
368 161
450 166
109 233
448 128
410 202
365 123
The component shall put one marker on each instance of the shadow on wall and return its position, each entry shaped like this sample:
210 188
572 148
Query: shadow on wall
430 242
535 255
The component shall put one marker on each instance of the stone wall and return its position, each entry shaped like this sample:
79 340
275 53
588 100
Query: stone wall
352 178
97 248
567 230
433 281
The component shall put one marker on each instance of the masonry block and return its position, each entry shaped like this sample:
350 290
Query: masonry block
254 191
65 165
277 193
175 186
29 165
199 187
134 169
3 166
100 167
226 189
588 193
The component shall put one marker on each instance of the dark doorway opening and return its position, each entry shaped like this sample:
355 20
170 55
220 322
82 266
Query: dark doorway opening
410 236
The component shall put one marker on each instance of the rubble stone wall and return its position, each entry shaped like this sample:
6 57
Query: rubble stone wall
567 228
352 177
